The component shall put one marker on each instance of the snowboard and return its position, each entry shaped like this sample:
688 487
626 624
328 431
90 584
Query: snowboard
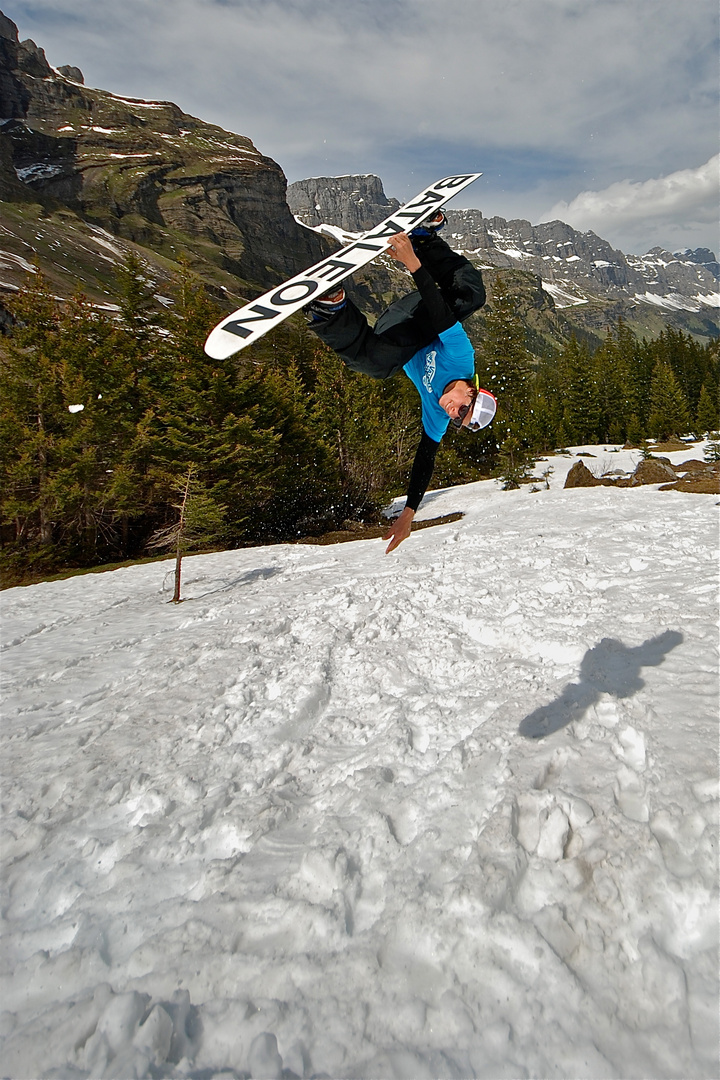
252 321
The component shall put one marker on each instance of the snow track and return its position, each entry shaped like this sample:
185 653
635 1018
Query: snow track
449 813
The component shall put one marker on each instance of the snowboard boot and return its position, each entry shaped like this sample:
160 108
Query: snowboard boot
327 305
429 228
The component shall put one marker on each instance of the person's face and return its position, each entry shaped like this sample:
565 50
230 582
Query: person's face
456 395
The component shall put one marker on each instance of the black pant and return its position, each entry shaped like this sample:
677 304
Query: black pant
406 326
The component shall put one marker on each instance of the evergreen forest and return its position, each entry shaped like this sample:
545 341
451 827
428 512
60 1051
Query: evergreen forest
112 420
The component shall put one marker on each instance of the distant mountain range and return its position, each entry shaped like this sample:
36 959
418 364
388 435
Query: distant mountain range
87 176
579 270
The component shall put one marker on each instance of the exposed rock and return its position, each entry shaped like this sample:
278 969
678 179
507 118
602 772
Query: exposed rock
580 476
653 471
700 485
352 203
14 98
8 29
701 477
32 60
34 159
692 465
73 73
704 256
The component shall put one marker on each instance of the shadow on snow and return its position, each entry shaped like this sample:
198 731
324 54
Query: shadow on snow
608 668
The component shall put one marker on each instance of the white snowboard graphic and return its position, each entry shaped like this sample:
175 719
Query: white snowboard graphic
250 322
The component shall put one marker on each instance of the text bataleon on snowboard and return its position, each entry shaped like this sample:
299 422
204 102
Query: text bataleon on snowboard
250 322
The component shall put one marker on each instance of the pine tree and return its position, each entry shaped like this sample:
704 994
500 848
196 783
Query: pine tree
209 417
137 299
669 413
134 376
711 452
504 363
85 458
580 393
199 522
542 421
642 376
686 358
513 464
354 414
34 417
547 407
306 474
635 432
66 426
708 412
612 367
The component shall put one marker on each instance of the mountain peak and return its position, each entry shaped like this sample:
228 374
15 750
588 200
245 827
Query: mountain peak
353 203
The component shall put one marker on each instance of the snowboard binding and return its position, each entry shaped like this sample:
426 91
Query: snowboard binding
429 228
327 305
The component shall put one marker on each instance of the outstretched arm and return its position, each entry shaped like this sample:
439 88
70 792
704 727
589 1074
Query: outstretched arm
420 475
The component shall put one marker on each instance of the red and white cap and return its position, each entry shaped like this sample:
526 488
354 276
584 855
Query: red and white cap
483 411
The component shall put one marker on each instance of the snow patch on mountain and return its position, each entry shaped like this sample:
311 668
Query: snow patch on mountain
38 171
673 301
561 297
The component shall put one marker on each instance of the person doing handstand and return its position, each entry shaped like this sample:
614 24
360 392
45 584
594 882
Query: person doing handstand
422 335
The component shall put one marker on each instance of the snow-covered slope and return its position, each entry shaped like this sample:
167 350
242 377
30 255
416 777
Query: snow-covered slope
447 813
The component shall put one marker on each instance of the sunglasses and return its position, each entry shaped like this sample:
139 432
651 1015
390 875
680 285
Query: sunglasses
464 410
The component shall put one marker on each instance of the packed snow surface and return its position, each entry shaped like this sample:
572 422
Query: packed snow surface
446 813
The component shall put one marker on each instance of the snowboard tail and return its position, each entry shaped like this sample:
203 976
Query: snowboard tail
251 322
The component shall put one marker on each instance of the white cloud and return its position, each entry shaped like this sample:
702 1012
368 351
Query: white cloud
685 200
559 76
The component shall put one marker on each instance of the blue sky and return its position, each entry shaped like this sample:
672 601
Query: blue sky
601 112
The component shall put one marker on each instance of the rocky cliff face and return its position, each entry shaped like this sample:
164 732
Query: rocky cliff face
14 98
703 256
144 172
352 203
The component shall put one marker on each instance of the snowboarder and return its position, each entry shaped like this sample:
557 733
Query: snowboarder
421 334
